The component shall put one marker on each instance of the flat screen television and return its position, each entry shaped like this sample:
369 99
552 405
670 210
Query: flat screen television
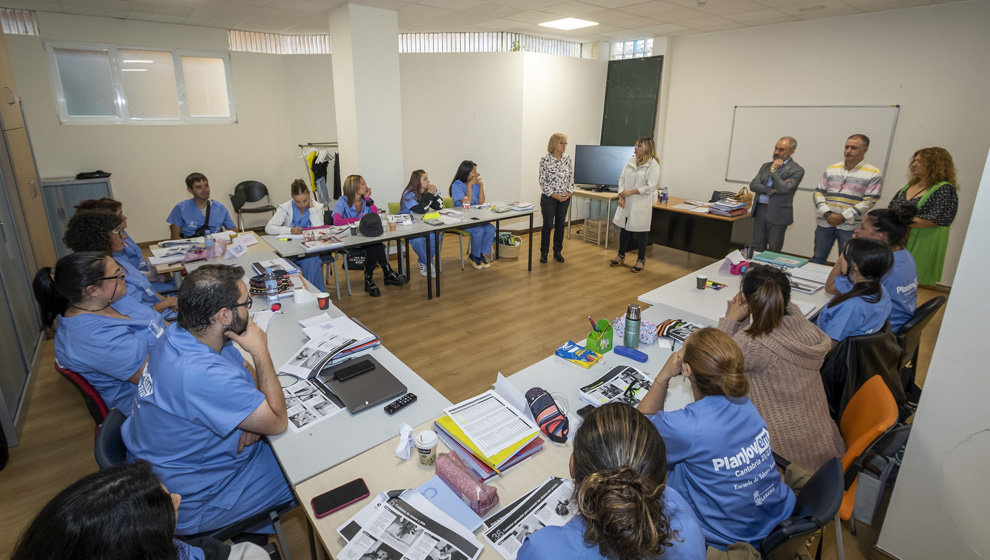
600 165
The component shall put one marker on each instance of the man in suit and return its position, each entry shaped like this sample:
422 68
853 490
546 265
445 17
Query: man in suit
773 205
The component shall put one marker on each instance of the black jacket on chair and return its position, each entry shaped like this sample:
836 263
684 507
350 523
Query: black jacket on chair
856 359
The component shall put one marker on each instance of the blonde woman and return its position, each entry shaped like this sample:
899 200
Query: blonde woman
638 182
557 183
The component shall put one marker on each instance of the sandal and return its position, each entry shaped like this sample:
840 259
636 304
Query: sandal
617 261
638 267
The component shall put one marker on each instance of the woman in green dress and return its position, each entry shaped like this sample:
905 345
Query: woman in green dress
931 189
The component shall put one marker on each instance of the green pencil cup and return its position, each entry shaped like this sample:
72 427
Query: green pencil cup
601 340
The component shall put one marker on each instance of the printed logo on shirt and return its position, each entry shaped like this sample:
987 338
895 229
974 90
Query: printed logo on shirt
752 454
156 329
146 387
909 289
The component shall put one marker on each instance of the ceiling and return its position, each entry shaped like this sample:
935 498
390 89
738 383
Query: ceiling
618 19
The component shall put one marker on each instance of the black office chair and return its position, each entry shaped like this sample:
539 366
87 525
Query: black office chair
248 192
817 504
909 337
271 514
109 448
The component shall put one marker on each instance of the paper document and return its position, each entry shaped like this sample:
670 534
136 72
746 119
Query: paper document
550 504
513 396
700 209
683 206
805 307
310 359
306 405
491 423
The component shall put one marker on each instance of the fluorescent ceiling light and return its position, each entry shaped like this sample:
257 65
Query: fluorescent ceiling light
138 61
133 69
568 24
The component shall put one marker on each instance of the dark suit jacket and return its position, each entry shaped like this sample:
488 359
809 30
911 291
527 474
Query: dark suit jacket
780 208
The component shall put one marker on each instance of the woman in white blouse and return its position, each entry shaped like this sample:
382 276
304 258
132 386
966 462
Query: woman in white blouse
557 182
291 217
638 182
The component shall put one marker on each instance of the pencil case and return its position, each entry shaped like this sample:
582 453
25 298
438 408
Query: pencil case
480 497
575 353
647 330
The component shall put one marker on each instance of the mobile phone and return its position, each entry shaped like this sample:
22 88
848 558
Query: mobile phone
339 498
585 410
357 368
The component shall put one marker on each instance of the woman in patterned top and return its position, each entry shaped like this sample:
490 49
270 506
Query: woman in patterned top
932 190
557 182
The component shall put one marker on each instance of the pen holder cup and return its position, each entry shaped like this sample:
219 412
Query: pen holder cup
600 341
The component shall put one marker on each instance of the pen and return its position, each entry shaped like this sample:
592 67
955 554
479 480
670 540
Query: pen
593 325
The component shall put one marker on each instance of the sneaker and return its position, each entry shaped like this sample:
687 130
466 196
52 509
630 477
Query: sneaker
422 269
476 262
484 261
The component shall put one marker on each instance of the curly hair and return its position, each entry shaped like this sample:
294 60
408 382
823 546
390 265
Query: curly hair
89 230
104 203
938 166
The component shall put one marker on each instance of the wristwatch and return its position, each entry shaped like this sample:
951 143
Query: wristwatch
825 215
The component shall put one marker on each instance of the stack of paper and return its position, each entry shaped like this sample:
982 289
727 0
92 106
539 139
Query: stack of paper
260 266
323 326
789 261
521 205
727 207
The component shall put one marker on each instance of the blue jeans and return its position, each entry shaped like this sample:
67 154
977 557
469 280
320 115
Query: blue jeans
824 238
418 245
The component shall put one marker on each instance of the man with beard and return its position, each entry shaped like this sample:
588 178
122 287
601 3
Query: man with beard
201 410
774 187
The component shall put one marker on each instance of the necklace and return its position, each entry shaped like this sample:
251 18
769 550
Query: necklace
90 310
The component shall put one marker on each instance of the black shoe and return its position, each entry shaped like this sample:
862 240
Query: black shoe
543 258
371 287
393 278
558 257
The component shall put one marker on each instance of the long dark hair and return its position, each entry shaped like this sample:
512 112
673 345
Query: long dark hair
90 230
873 259
117 513
894 224
463 171
54 291
620 467
768 291
415 182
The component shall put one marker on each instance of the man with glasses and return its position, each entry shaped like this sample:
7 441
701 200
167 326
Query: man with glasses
201 410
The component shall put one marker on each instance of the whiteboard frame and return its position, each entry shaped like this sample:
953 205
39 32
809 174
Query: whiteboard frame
890 144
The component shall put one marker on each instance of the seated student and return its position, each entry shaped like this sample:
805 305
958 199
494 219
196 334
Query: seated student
356 203
420 197
624 508
198 215
865 307
901 283
120 512
783 352
101 231
200 411
131 251
467 187
294 215
102 335
719 445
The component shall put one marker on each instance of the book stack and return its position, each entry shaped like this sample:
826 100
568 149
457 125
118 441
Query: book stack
521 205
728 207
323 326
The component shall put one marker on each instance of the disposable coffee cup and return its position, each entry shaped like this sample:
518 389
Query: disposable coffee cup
391 225
702 281
323 300
426 446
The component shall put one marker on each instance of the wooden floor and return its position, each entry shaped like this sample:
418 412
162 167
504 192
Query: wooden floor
486 321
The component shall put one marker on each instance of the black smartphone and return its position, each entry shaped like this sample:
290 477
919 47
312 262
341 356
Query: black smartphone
357 368
340 497
583 411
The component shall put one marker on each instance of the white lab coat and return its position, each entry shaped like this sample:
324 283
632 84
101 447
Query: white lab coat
638 212
281 222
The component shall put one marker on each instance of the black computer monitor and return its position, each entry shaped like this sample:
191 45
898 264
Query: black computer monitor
600 165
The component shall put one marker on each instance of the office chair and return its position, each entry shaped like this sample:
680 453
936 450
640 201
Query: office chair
250 191
109 448
448 202
817 504
856 359
94 402
272 514
909 338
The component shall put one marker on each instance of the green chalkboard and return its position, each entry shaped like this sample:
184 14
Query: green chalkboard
632 94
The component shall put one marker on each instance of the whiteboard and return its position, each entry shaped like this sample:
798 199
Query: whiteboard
820 131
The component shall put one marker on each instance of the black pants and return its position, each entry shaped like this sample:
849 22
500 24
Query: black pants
626 238
554 216
374 255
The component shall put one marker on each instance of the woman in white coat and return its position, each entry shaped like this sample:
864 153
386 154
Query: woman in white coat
638 182
291 217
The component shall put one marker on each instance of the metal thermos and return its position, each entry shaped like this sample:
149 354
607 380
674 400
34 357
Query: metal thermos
631 336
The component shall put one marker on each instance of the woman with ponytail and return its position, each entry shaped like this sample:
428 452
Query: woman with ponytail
783 353
889 226
625 511
865 307
102 335
719 446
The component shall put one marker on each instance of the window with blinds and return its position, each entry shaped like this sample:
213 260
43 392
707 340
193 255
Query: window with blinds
273 43
637 48
18 22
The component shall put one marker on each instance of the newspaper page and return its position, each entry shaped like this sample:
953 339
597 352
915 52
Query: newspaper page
310 359
551 504
306 405
400 531
491 423
614 385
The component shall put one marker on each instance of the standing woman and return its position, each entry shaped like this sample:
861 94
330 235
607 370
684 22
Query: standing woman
356 203
638 181
291 217
932 190
419 197
557 182
467 187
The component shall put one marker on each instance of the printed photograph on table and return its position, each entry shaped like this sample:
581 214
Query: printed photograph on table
621 384
549 504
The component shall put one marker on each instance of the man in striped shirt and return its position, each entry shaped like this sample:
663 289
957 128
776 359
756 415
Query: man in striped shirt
847 191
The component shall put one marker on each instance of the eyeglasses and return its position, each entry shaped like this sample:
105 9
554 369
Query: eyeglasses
630 392
246 304
119 232
121 273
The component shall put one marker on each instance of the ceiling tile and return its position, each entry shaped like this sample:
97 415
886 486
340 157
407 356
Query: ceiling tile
529 4
812 9
452 4
501 25
158 18
711 24
613 3
572 9
725 7
148 8
766 16
880 5
533 16
617 17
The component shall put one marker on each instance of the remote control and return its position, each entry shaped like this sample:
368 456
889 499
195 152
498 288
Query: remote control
400 403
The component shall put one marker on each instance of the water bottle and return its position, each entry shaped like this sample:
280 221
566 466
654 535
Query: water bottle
631 337
663 196
271 288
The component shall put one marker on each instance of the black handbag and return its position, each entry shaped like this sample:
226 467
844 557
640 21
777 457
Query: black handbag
205 228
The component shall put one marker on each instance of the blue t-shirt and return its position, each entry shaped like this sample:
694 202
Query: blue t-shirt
900 283
568 541
854 317
187 551
190 402
300 219
459 192
719 450
131 253
347 211
187 216
108 351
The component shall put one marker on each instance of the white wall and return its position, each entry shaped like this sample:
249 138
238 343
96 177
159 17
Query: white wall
941 502
922 58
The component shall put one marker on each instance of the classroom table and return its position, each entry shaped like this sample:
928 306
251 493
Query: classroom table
698 233
710 304
600 197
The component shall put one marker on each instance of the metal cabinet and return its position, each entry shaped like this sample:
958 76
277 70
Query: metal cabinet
61 196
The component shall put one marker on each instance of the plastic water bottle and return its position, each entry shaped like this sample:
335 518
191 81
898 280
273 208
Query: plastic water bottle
630 338
271 288
663 196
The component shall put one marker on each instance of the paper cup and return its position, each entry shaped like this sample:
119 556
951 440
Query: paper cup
323 300
426 447
702 280
392 226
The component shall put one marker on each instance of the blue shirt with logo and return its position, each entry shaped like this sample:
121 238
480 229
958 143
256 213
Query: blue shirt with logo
854 317
189 218
900 283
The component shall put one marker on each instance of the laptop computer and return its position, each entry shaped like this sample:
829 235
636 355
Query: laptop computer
361 391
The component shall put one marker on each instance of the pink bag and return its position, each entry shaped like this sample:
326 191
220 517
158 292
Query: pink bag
479 496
